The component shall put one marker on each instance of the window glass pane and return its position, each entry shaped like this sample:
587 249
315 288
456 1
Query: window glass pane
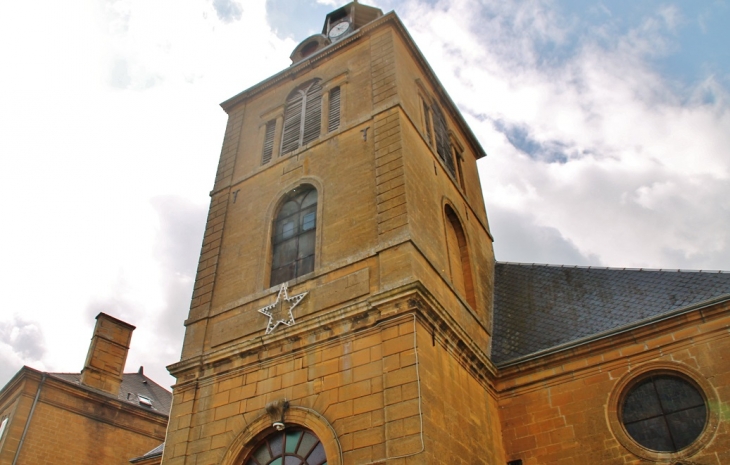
676 394
262 454
277 443
310 199
305 265
308 441
641 402
276 462
291 460
652 434
317 456
292 440
288 228
306 245
285 253
308 221
687 425
289 208
285 273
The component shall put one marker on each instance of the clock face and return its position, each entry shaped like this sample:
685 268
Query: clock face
339 29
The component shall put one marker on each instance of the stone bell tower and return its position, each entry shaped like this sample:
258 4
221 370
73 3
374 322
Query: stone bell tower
343 301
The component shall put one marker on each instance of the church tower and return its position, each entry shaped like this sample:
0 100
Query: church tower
342 309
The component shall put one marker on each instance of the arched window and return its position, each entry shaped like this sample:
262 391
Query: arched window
288 447
459 262
293 241
302 116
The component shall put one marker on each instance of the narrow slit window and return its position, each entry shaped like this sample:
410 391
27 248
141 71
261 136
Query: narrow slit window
459 169
268 142
334 110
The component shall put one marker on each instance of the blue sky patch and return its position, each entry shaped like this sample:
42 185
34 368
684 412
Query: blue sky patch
519 137
296 20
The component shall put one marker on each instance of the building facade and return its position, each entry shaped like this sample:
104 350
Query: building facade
348 308
100 415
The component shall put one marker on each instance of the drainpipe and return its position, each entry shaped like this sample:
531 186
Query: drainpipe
30 415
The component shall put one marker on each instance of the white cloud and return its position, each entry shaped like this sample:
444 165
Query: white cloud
644 180
114 134
110 106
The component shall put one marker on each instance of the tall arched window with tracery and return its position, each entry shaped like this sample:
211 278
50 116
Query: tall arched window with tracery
288 447
459 261
302 116
294 235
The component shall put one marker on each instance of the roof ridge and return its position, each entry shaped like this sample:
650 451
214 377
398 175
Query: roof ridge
148 379
591 267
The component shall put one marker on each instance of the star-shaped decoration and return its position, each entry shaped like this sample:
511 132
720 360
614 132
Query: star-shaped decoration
280 312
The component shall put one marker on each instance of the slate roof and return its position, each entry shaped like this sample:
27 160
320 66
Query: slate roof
156 452
133 385
538 307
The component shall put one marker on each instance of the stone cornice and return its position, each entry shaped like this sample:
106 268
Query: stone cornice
331 327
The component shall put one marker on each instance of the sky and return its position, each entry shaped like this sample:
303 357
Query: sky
606 124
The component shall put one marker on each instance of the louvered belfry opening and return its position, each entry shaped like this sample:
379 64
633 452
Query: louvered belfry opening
443 144
268 142
427 121
333 120
302 116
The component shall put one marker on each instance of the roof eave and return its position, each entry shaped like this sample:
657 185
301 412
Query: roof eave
613 332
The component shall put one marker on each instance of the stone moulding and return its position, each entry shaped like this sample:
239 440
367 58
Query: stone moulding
332 326
247 439
677 369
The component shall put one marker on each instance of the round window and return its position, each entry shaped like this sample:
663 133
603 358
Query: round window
289 447
664 412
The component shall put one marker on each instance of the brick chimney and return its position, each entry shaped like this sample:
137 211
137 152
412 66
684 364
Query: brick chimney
107 354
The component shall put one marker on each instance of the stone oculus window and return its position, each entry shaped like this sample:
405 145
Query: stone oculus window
288 447
294 235
663 412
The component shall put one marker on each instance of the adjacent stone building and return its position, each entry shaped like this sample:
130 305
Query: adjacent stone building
98 416
348 308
